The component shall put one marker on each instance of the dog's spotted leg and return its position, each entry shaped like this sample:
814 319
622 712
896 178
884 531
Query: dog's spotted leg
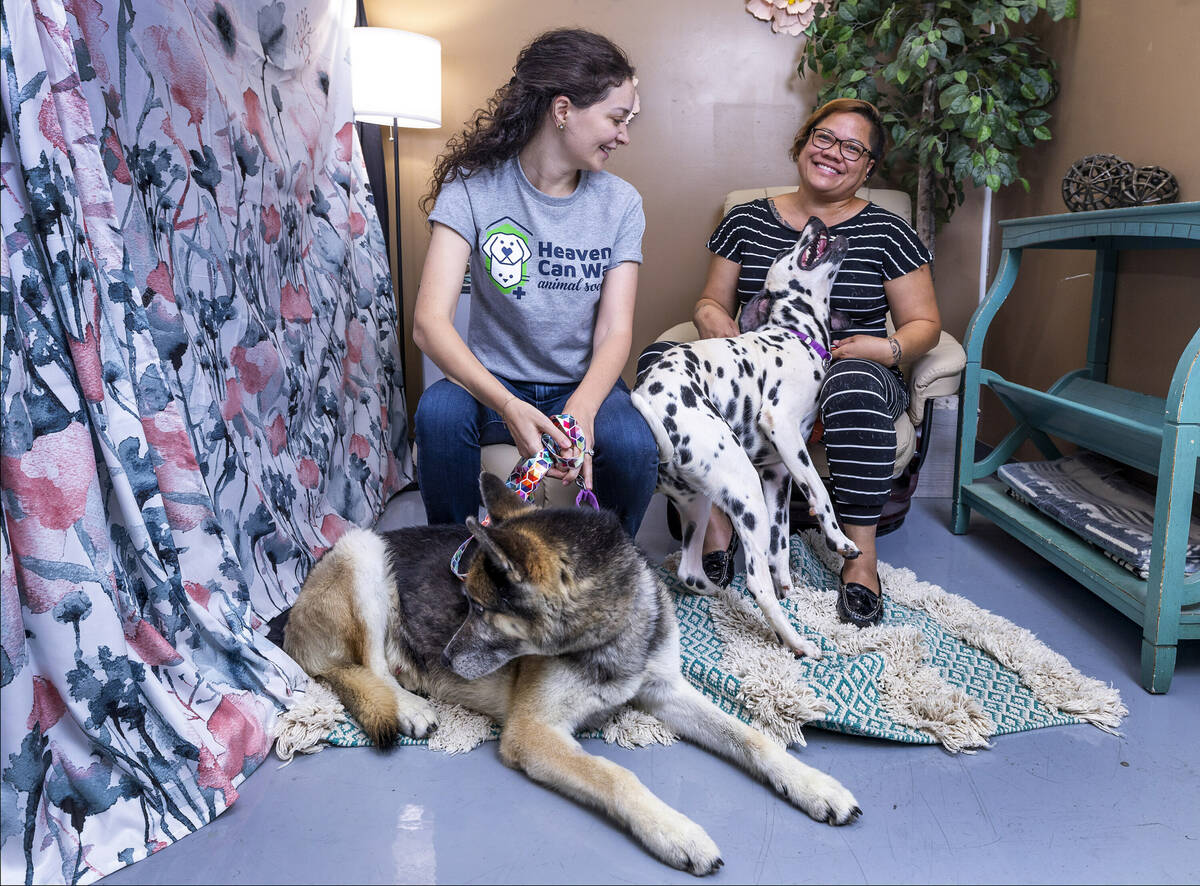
742 500
679 705
795 457
694 512
777 491
549 755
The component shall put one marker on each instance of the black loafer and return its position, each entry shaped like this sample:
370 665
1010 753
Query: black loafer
859 605
718 565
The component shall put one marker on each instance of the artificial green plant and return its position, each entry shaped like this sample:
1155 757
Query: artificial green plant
961 85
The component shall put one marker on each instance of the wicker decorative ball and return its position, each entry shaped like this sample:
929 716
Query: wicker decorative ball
1148 186
1095 182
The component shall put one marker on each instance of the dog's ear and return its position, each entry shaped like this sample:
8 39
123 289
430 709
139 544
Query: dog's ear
500 501
490 549
755 312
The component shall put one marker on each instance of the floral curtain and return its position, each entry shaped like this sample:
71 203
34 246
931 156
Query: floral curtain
200 392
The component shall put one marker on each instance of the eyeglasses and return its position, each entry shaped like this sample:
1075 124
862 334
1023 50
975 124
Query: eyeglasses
851 150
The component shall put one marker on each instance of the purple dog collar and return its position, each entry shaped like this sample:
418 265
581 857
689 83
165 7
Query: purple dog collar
811 342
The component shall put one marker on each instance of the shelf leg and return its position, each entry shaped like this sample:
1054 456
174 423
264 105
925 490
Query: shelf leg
1158 666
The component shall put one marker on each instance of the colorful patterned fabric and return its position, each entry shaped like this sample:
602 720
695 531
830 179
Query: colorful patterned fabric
200 393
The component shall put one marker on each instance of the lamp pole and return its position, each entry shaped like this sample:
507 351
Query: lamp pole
399 251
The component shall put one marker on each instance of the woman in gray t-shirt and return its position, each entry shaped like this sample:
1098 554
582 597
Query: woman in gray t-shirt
553 244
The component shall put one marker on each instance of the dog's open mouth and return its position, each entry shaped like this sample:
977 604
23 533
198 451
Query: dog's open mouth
815 252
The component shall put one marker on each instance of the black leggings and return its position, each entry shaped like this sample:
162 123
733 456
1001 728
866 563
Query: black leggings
860 401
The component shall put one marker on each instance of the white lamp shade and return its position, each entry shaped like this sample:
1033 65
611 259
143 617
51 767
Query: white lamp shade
396 75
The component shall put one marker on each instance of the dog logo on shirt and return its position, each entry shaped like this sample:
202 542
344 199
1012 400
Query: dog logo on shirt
506 250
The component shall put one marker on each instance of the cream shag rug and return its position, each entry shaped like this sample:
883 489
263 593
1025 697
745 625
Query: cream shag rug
936 670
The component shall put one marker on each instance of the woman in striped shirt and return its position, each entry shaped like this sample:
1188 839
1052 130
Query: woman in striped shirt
886 268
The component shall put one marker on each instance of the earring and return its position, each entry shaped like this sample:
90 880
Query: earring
562 122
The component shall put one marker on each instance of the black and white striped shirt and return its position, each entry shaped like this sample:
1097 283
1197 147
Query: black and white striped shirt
882 246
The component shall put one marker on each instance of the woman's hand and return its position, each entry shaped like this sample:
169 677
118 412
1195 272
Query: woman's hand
713 321
585 417
718 303
527 423
864 347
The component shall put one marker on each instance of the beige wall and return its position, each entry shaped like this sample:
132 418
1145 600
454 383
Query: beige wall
721 102
1129 79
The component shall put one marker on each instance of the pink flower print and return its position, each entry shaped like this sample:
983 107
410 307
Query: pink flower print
256 366
309 473
334 527
197 592
294 303
87 14
237 723
355 334
232 405
151 646
160 281
256 125
85 355
113 146
359 446
277 435
48 706
48 123
51 480
358 224
186 73
344 140
271 224
209 774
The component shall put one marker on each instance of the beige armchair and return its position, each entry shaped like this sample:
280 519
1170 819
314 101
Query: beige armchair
935 374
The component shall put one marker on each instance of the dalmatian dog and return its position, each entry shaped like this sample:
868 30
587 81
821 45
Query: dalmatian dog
731 417
508 253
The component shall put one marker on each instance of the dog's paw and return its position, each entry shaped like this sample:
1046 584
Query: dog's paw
699 584
417 717
821 796
800 647
682 844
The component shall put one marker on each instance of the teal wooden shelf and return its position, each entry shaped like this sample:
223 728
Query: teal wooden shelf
1156 435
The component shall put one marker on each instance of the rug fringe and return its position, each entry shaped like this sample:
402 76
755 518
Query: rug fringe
303 726
1052 679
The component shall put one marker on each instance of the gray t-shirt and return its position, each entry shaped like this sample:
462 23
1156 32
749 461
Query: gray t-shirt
537 263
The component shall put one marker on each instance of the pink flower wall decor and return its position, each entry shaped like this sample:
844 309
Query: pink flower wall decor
786 16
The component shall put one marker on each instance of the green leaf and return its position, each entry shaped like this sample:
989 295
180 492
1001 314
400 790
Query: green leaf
902 76
1042 132
992 154
960 76
993 182
985 132
974 104
858 75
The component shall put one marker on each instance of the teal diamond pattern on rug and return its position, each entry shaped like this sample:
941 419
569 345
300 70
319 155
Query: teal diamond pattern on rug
848 685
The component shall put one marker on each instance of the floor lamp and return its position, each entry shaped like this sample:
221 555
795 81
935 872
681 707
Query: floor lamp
396 79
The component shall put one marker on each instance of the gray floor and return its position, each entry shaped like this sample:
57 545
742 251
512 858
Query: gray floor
1063 805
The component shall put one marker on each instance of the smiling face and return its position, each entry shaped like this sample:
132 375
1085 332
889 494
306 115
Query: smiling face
591 134
825 170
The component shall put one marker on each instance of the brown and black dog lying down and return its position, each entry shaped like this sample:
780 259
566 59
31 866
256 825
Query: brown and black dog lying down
561 620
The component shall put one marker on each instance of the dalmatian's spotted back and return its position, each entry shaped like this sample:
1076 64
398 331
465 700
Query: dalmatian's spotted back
731 417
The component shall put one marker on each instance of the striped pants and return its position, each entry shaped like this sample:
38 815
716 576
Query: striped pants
860 401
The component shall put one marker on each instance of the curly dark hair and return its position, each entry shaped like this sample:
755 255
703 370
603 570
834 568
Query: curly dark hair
579 64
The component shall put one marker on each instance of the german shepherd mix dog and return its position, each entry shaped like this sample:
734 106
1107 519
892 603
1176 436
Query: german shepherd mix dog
731 417
560 621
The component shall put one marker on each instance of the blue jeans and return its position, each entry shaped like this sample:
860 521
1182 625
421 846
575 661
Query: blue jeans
451 426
